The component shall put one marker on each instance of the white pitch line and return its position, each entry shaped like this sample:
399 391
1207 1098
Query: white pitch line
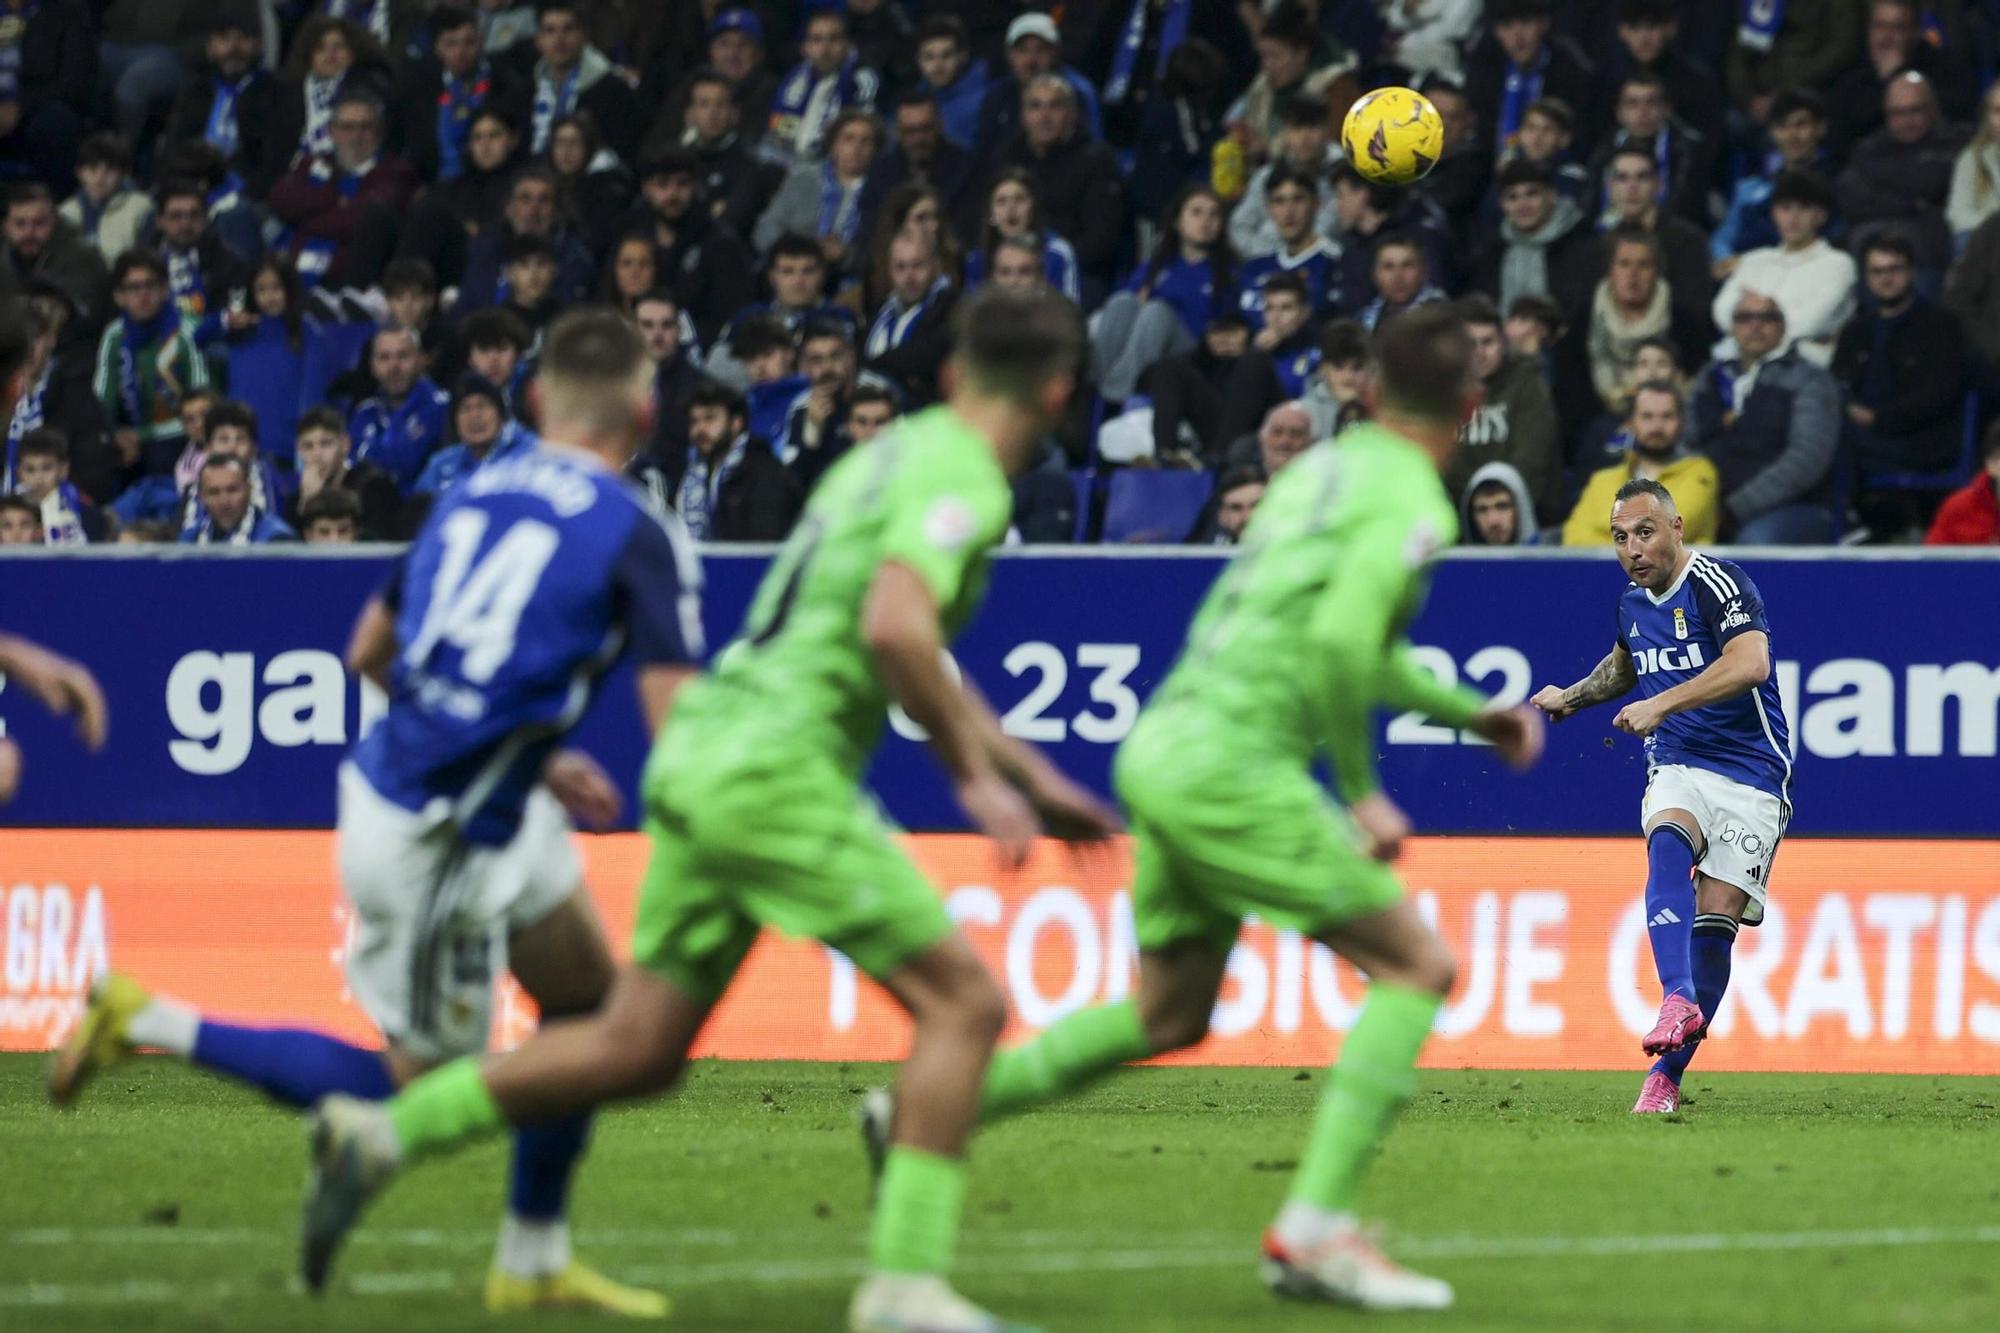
1186 1251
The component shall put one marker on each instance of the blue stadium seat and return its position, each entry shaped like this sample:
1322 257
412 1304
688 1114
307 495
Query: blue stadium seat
1951 479
1154 506
1083 480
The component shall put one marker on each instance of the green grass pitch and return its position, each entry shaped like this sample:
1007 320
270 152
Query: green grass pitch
169 1200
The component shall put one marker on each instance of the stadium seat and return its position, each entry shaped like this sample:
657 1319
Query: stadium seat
1949 480
1154 506
1083 480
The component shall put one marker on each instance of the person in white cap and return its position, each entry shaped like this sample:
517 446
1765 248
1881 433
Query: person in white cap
1034 48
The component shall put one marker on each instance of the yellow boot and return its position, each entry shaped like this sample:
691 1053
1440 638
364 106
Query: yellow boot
101 1038
575 1288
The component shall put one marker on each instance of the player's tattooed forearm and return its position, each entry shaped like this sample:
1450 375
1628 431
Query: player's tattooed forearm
1608 681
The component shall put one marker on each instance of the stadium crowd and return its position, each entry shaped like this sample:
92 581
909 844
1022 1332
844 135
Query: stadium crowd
288 262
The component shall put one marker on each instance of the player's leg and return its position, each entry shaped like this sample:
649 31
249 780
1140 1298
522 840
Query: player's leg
1317 1249
1674 817
563 961
1184 948
391 862
1719 912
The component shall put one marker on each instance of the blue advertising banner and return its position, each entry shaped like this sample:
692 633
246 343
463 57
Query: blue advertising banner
230 709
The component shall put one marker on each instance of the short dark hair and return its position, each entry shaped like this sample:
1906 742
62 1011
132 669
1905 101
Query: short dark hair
589 357
1424 359
1540 309
180 187
322 417
1556 109
1012 343
708 76
494 327
874 393
29 192
1283 174
214 461
520 249
819 330
714 393
16 505
132 261
1292 284
658 296
1789 102
797 245
1292 24
1794 186
1668 387
670 162
760 335
943 25
918 97
1401 240
450 18
1890 243
1515 11
1640 151
1248 474
409 275
359 95
106 148
1299 109
1639 486
334 502
1343 342
1478 308
1631 233
45 442
1646 78
1647 13
230 412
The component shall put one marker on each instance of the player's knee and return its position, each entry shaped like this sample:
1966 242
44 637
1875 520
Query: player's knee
1432 968
981 1007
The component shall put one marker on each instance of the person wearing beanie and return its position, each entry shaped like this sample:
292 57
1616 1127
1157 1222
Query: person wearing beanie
483 432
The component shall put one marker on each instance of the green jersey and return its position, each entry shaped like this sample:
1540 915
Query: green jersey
928 494
1303 634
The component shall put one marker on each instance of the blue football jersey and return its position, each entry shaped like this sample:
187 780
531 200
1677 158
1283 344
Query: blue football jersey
526 584
1319 266
1673 638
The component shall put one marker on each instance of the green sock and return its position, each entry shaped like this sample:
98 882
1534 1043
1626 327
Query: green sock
916 1213
1372 1079
444 1108
1075 1050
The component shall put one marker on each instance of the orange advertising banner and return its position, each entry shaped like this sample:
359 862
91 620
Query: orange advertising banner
1876 956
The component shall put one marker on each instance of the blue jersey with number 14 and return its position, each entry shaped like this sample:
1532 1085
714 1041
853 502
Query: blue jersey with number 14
527 583
1675 636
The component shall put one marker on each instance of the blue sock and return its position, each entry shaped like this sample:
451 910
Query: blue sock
1714 937
1670 907
294 1065
544 1158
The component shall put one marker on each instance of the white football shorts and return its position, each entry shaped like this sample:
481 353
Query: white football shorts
1743 826
433 913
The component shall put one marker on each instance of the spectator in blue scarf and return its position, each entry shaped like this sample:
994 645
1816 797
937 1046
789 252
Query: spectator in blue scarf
228 518
485 434
952 76
232 104
444 95
404 423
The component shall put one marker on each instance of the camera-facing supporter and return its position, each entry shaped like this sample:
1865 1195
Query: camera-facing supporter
1076 179
948 72
106 209
405 422
1900 176
1401 280
534 209
36 243
1514 424
736 48
1163 308
911 334
1633 304
20 522
1013 212
1543 247
1520 61
728 486
329 56
324 467
231 102
56 391
1495 508
146 361
1305 148
227 516
918 209
231 429
571 75
1237 495
710 269
41 477
1797 131
1632 199
1655 449
344 206
1813 281
1300 248
735 181
443 95
821 197
201 270
593 184
815 431
919 154
1896 43
1683 158
1368 214
330 518
1034 52
828 81
451 215
869 413
1770 422
481 433
496 349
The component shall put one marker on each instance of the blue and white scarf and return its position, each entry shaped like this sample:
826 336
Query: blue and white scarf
62 516
317 140
798 121
223 133
13 34
1725 380
896 321
1524 86
553 101
135 339
27 417
204 533
839 208
701 488
184 285
1761 21
1124 62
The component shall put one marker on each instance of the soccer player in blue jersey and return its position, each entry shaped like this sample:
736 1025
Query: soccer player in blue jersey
1693 638
530 579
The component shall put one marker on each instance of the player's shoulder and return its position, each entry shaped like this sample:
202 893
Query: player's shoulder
1725 580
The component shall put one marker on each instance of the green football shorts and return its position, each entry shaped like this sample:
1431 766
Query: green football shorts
1222 834
747 836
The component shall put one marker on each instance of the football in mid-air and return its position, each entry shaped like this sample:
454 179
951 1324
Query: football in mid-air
1393 135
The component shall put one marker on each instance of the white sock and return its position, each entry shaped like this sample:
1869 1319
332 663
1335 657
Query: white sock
532 1247
1304 1224
166 1024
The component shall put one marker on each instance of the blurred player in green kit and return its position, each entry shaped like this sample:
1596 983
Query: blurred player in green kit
755 810
1301 637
